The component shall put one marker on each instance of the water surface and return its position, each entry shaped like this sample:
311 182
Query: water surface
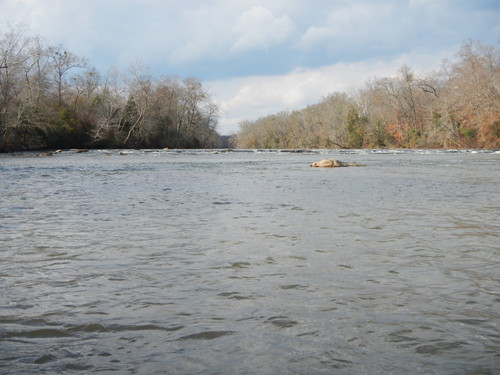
177 262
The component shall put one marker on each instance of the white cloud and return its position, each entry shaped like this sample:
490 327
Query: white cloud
259 28
354 25
249 98
198 33
315 35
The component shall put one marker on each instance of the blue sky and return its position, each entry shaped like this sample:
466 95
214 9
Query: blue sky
260 57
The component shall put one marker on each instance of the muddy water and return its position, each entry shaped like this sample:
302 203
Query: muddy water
163 262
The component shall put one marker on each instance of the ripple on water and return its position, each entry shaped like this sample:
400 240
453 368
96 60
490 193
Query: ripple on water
240 296
205 335
281 321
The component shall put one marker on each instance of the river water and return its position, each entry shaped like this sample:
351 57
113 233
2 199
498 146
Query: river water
177 262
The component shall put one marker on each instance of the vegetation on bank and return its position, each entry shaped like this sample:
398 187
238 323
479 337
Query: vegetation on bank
51 98
456 107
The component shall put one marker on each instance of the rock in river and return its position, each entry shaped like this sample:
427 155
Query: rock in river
332 163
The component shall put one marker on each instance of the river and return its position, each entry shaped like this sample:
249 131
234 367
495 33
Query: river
205 262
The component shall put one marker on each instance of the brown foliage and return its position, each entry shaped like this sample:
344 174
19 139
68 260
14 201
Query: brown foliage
50 98
454 108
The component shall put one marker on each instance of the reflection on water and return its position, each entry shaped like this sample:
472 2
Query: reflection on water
250 263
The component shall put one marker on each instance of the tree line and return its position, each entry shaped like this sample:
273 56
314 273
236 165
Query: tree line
52 98
455 107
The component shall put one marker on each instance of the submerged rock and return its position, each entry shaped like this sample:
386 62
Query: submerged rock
332 163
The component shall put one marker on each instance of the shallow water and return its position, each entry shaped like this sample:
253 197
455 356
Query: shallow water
177 262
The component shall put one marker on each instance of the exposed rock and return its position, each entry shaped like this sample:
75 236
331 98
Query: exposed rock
332 163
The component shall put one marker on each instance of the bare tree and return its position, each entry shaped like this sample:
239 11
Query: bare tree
108 103
13 56
62 62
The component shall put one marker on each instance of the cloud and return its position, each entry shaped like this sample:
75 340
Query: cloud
354 26
227 37
252 97
198 34
349 30
259 28
315 35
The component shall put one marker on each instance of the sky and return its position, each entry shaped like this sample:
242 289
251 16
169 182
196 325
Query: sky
260 57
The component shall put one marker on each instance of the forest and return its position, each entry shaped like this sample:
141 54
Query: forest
51 98
455 107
